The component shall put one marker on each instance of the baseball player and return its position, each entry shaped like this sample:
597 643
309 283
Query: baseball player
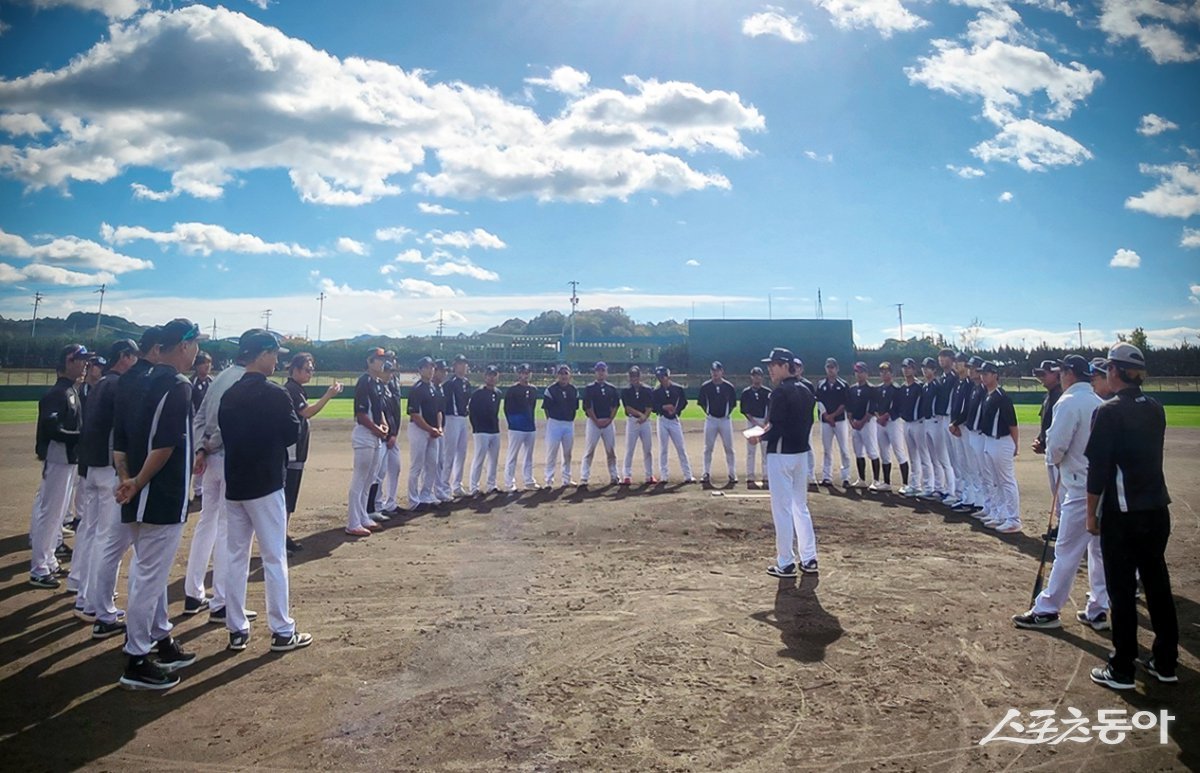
441 486
258 425
935 474
101 514
717 399
940 378
668 401
300 372
970 431
999 419
458 392
1127 505
483 411
831 399
93 371
59 420
1064 444
812 455
367 439
152 452
1049 372
201 381
1100 378
786 441
424 431
639 406
890 429
560 401
520 402
600 402
909 405
859 399
753 405
381 499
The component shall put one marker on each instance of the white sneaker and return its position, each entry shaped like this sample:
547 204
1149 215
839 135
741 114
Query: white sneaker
1011 526
992 523
906 490
886 487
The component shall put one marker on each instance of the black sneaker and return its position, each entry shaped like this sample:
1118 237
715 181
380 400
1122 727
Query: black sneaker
63 552
44 581
1036 620
170 657
1162 675
144 674
809 567
784 572
238 641
217 616
193 605
1108 678
295 547
103 630
1098 623
282 643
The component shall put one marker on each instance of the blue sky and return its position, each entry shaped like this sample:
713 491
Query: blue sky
1034 165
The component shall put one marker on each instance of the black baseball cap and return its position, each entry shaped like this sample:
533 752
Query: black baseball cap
989 367
563 368
634 370
424 362
73 352
96 359
756 371
376 353
860 367
1077 365
975 362
780 355
461 358
716 365
491 370
946 352
122 347
255 341
602 365
961 357
928 362
662 370
908 362
524 368
830 362
179 330
1048 366
151 337
439 365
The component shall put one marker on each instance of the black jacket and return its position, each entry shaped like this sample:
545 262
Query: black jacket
153 412
257 424
560 402
95 441
717 400
1125 454
484 411
59 420
789 419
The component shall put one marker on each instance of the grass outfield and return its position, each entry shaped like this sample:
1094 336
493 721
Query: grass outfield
1177 415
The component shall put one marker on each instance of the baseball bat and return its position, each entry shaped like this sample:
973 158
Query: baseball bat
1041 573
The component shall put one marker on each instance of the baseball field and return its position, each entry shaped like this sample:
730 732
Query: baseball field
608 629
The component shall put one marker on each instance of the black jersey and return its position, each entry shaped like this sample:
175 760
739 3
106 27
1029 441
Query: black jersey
754 402
602 398
908 401
717 400
519 403
258 424
832 395
59 419
160 417
999 414
298 453
1046 412
424 400
368 398
929 393
560 402
887 396
858 400
671 394
483 409
789 418
457 390
637 397
945 391
1125 454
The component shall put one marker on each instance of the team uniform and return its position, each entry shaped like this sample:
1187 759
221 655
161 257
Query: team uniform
59 420
1046 417
483 411
258 424
718 400
890 433
985 484
457 391
937 435
966 474
199 390
812 454
638 430
387 479
519 403
603 400
998 419
298 451
859 399
831 395
424 399
101 512
669 428
560 404
908 404
753 405
368 450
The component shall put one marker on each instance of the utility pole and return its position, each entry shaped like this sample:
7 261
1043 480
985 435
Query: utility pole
1080 324
99 311
267 316
574 304
320 313
820 305
900 314
37 299
214 332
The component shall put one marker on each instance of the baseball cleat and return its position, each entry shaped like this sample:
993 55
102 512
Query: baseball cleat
144 674
1037 621
626 481
1097 623
1010 526
170 657
103 630
43 581
809 566
782 572
216 616
1108 678
1161 674
193 605
289 642
238 641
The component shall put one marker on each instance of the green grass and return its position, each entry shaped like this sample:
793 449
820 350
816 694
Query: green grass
26 412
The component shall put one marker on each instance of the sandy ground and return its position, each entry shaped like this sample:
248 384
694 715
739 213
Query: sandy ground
610 629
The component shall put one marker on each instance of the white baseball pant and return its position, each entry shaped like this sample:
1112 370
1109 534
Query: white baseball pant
967 474
1072 544
105 562
986 488
1052 473
840 430
559 435
865 440
592 435
146 620
752 450
920 474
266 519
367 451
422 467
999 453
387 480
635 432
938 434
487 448
788 474
893 448
454 454
45 529
85 541
671 430
209 537
518 441
723 427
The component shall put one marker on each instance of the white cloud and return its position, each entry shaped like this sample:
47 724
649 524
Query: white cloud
965 172
40 273
1152 125
261 4
113 9
346 244
1122 20
427 208
1032 146
467 239
1125 259
396 234
564 79
1005 197
1176 195
204 239
348 131
863 298
1195 293
419 288
1190 238
70 250
1171 336
692 263
22 123
441 263
410 256
774 22
886 16
815 156
149 194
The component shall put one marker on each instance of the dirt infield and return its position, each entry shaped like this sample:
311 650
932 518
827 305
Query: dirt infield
607 629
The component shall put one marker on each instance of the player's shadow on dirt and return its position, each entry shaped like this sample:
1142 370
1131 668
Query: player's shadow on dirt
805 627
17 543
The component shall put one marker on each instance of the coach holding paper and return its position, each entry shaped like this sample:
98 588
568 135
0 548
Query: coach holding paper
258 424
1127 506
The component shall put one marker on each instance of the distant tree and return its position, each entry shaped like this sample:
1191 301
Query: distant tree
512 326
1137 337
970 336
547 323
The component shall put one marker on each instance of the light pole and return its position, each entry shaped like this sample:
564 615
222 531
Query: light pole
99 312
37 300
